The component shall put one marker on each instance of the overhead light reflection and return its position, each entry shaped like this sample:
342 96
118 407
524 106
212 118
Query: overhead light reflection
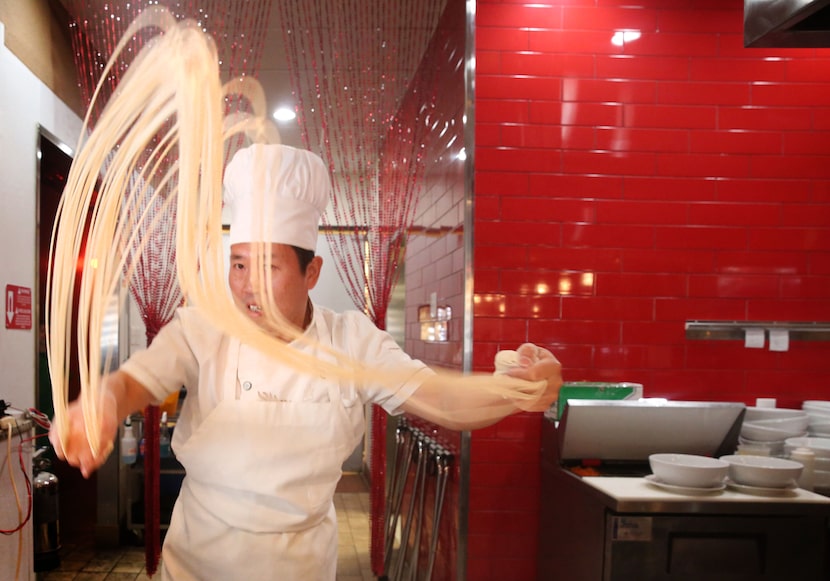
622 36
284 114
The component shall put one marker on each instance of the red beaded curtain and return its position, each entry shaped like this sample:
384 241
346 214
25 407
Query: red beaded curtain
238 28
351 62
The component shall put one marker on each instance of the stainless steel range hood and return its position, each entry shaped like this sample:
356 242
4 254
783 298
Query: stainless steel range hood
787 23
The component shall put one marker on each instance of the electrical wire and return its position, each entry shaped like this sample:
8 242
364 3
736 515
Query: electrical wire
17 499
21 520
41 420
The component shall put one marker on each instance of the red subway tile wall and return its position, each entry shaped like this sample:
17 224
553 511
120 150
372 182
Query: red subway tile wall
636 167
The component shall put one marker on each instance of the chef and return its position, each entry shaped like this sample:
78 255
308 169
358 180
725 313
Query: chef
261 442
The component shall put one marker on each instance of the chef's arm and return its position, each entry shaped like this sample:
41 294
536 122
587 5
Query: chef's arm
122 395
130 395
467 403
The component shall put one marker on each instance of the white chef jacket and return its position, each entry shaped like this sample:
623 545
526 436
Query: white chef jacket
262 444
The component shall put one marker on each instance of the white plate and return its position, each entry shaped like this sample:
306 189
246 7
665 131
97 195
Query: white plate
652 479
762 490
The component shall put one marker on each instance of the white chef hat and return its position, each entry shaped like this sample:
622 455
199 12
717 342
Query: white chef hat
276 193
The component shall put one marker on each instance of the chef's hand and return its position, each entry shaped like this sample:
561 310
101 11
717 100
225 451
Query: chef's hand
75 449
538 364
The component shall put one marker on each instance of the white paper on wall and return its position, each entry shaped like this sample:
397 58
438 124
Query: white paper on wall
754 338
779 340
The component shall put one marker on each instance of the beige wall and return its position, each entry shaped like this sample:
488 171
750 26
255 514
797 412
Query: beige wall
37 33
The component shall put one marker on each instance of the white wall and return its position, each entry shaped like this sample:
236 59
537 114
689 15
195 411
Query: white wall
25 105
330 291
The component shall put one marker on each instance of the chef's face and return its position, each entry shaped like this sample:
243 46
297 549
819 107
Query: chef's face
288 283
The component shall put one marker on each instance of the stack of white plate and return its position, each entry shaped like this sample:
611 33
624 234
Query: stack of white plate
821 450
818 413
764 430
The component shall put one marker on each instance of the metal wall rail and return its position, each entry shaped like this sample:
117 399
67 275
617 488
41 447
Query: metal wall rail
736 330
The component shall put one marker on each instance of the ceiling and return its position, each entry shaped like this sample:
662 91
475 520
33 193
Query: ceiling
273 71
275 79
371 47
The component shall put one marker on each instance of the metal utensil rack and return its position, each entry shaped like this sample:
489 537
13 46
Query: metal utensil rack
420 463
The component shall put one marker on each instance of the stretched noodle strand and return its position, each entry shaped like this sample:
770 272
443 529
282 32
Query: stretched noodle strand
170 103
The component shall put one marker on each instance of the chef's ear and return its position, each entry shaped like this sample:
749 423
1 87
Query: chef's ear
312 272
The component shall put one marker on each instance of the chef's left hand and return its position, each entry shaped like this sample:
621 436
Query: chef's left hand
538 364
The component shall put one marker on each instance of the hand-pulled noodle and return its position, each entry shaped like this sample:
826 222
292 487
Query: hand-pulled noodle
169 106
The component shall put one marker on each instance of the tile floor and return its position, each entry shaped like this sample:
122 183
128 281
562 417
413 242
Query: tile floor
353 536
81 562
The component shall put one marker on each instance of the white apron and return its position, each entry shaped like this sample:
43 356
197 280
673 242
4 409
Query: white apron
256 502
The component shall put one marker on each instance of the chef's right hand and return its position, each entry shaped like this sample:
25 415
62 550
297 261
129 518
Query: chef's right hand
534 363
76 449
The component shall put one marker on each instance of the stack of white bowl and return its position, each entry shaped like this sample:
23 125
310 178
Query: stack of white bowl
765 430
821 450
818 413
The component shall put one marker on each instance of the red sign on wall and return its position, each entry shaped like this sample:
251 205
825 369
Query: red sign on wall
18 307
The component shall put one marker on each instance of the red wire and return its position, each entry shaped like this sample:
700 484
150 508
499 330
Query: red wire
28 481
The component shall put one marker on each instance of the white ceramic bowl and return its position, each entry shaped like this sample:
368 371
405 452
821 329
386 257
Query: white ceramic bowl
817 417
763 471
821 429
688 470
760 433
821 480
756 413
822 464
819 446
795 424
760 448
